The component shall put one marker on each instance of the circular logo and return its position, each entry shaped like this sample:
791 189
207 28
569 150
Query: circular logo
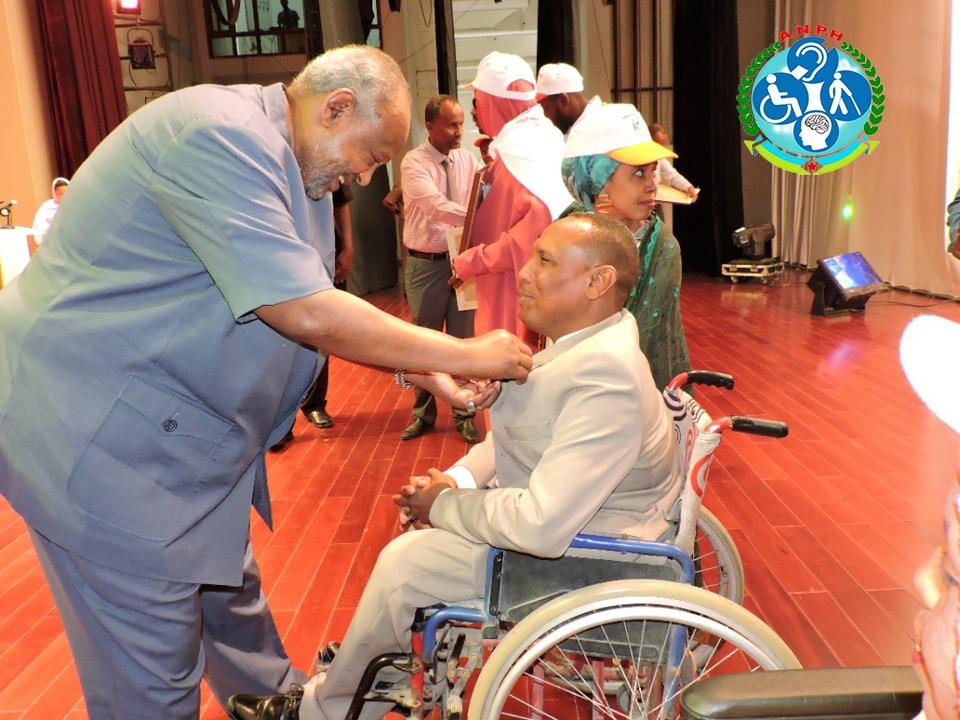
808 109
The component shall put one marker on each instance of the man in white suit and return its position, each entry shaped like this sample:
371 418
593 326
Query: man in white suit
584 446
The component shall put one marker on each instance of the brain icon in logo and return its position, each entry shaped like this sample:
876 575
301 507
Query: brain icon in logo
815 131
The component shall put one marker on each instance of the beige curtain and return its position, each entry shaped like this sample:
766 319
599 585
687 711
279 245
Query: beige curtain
897 192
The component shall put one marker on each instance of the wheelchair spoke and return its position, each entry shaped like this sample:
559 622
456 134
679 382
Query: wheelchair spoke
624 651
572 691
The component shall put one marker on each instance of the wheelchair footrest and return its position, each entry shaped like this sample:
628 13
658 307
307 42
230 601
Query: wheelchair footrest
876 692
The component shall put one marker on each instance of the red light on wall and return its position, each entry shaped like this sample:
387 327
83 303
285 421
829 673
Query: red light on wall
128 7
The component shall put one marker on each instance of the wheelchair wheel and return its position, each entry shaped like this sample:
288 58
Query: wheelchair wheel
717 560
622 650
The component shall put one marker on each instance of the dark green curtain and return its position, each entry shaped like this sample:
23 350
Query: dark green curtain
707 130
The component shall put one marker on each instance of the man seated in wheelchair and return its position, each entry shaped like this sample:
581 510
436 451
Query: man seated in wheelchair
585 445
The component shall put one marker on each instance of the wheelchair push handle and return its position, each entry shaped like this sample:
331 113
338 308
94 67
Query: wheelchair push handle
702 377
758 426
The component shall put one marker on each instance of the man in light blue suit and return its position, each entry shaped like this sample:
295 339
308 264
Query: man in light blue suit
162 339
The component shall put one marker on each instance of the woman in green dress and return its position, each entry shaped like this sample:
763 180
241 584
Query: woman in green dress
610 167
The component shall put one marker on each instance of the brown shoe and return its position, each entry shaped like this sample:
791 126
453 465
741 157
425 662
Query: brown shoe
415 429
468 430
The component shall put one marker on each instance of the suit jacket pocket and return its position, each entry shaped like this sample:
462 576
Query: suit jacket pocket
156 464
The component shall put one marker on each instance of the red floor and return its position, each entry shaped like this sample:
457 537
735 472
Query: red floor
831 522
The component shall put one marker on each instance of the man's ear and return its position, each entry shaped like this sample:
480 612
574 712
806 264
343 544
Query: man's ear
602 279
339 104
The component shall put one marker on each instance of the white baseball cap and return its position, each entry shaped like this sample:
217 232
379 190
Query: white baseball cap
498 70
617 130
556 78
929 348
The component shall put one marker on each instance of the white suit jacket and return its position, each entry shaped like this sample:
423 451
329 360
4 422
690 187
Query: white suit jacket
584 445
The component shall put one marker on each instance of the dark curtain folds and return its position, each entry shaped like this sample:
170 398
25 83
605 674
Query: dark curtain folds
555 33
707 130
83 76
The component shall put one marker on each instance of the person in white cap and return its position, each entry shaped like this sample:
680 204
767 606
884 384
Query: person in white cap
610 167
560 94
526 192
928 350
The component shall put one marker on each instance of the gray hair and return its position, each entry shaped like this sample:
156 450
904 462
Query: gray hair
372 74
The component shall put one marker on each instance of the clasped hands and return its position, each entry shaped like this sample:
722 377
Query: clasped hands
417 497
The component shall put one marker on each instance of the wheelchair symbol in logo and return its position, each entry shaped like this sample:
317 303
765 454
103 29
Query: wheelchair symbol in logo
810 110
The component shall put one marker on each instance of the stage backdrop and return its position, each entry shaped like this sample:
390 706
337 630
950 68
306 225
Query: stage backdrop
898 192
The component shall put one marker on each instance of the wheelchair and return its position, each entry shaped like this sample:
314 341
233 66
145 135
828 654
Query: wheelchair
616 628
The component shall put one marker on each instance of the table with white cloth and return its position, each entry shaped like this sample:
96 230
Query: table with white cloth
14 252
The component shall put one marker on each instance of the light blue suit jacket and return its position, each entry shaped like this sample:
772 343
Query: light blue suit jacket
138 391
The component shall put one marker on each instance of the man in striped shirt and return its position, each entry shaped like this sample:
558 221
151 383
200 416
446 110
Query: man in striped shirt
436 178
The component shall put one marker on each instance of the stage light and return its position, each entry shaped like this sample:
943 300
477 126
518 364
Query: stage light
752 241
843 284
846 212
128 7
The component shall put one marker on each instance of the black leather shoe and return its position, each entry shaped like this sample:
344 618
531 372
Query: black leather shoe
319 419
282 442
326 655
266 707
468 430
415 429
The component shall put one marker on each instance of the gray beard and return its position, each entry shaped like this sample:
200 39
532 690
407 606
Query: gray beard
319 171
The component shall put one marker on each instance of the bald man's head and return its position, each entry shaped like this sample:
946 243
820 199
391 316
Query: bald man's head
607 241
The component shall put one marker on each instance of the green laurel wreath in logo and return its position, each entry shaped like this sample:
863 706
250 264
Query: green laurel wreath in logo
876 87
744 109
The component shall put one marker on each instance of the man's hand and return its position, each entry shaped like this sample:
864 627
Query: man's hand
460 393
499 355
693 193
417 498
344 265
393 200
454 281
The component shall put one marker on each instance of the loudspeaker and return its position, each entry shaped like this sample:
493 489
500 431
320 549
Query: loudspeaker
843 284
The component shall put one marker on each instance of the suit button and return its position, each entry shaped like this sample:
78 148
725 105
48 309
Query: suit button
169 425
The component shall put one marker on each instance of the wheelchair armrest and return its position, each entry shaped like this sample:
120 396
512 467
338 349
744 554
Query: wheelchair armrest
882 692
638 547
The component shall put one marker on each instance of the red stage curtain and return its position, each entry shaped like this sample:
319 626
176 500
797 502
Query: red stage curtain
83 76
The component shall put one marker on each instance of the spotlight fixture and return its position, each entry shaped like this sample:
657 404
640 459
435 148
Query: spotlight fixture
843 284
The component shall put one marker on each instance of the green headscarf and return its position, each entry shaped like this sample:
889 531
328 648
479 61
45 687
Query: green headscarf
586 175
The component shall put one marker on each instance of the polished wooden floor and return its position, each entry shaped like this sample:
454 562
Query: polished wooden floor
831 522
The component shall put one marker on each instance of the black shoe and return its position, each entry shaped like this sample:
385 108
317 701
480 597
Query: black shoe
282 442
468 430
319 419
415 429
326 655
266 707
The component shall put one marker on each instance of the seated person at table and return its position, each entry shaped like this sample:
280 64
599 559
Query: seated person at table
46 211
584 445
